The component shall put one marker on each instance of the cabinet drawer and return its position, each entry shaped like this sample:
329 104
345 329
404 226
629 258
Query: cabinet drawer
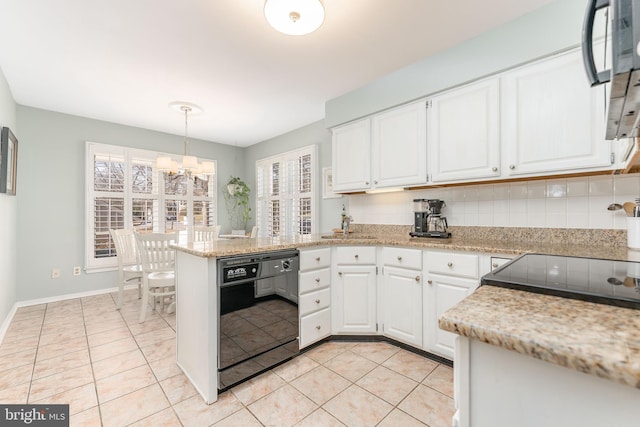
315 301
453 264
315 258
314 280
356 255
403 258
314 327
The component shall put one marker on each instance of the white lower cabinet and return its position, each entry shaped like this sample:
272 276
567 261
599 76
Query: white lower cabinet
449 278
354 290
402 305
314 282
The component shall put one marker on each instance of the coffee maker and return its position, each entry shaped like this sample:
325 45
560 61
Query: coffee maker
428 219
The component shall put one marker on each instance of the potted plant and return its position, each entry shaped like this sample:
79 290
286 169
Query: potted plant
236 198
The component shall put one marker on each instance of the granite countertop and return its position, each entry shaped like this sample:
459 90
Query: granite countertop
220 248
596 339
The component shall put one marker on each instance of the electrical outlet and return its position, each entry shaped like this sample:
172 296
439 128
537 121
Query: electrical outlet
55 273
77 271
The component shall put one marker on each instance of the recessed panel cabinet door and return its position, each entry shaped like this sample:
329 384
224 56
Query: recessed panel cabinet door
351 156
464 133
402 305
354 303
399 146
552 120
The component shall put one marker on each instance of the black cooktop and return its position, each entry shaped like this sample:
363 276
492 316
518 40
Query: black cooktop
596 280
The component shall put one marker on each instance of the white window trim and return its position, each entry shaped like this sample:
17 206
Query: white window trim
93 264
283 158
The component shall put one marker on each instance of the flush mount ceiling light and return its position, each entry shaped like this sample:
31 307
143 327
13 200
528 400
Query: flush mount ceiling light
190 164
294 17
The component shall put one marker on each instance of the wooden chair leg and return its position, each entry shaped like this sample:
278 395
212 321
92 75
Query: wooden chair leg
144 302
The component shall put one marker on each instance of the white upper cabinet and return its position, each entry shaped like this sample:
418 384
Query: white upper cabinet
399 146
552 121
351 156
464 133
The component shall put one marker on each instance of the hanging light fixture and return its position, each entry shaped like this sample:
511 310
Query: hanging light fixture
294 17
190 165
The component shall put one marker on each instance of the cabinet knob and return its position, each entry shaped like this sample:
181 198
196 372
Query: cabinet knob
417 278
449 264
495 169
494 265
317 301
317 280
512 167
339 273
366 183
318 259
357 256
375 181
430 282
318 327
399 258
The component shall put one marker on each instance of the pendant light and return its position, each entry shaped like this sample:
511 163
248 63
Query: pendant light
294 17
190 165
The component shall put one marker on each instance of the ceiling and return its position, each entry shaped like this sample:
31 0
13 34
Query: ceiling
124 61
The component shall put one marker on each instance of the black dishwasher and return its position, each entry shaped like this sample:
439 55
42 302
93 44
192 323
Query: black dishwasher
257 314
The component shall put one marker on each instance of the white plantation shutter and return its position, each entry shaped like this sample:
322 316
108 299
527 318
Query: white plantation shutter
285 193
125 191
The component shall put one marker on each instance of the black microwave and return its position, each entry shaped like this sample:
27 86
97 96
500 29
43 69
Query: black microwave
623 36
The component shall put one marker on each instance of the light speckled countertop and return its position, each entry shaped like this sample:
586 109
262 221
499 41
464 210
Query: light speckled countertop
596 339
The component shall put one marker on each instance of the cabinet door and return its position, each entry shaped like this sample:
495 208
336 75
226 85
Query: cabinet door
399 146
351 157
464 133
354 299
402 305
442 293
552 120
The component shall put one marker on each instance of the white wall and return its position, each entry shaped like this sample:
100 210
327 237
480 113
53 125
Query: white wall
557 203
8 210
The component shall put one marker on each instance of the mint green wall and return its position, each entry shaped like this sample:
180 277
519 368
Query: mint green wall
553 28
315 133
8 211
51 199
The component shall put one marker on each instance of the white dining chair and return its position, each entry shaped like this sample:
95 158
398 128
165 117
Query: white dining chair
206 234
158 269
129 268
254 232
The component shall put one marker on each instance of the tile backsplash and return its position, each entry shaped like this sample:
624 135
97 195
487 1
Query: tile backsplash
554 203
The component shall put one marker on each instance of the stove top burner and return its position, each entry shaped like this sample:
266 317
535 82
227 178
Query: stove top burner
596 280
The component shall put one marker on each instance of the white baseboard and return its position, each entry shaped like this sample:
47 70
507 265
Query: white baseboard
7 321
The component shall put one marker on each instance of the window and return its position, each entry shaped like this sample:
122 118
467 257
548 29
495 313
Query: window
285 201
124 190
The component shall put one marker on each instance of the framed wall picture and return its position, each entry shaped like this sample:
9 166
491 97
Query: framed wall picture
327 184
8 161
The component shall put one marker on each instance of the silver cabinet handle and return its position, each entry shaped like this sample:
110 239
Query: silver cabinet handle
339 273
318 327
417 278
399 258
317 280
318 259
512 167
495 169
449 264
494 265
375 181
317 301
356 255
366 183
430 282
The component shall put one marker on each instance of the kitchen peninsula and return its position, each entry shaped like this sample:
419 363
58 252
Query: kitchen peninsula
197 304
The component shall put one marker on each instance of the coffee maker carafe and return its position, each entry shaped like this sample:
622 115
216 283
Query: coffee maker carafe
428 219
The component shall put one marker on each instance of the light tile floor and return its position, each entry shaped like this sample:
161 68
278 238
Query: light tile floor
114 371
